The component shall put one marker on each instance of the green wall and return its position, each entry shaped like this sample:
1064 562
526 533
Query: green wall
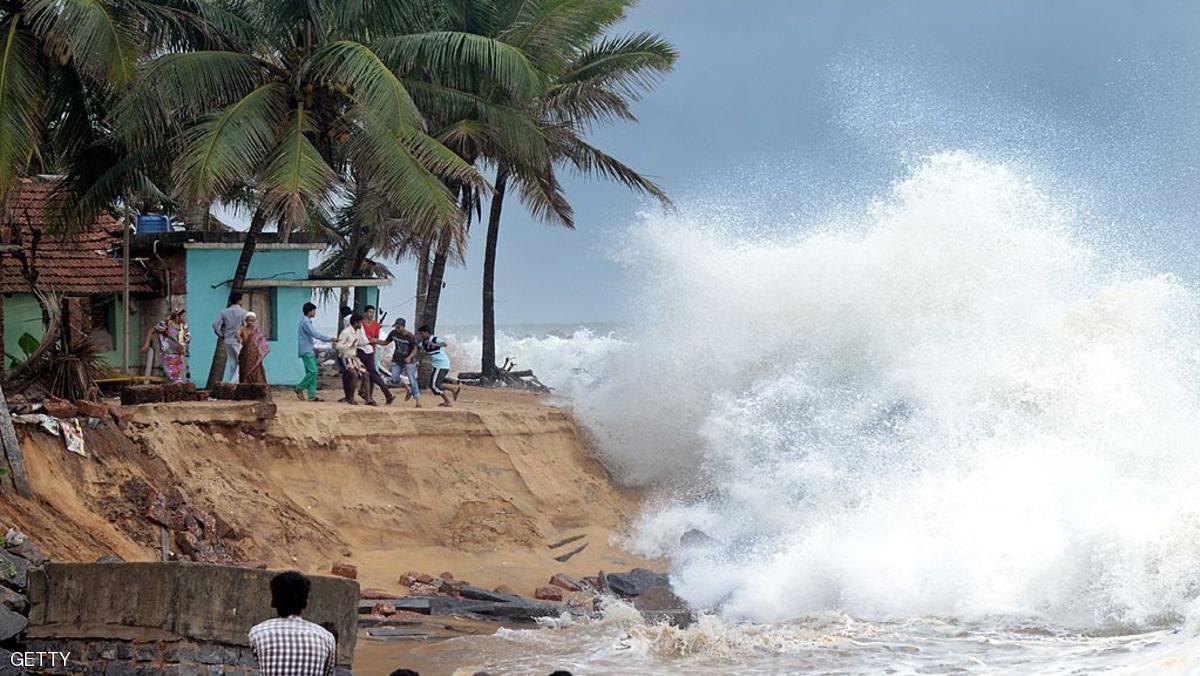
23 315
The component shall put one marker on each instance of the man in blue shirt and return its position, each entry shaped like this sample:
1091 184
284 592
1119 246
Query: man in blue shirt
436 349
308 353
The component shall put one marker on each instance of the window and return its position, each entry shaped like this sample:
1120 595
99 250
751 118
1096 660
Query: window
262 303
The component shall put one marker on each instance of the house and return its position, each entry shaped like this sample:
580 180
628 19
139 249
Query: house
194 269
83 267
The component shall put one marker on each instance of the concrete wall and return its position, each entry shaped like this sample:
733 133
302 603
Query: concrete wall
191 612
209 267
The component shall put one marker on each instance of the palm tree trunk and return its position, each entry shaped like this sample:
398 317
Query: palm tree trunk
217 367
488 367
422 283
433 294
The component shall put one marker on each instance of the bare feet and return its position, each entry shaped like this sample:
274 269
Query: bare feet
455 392
299 395
444 404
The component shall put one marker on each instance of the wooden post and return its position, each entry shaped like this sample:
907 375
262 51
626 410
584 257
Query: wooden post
12 450
125 298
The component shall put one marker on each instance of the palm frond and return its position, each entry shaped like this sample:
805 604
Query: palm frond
371 82
295 175
22 94
462 58
96 35
543 195
591 161
550 30
627 64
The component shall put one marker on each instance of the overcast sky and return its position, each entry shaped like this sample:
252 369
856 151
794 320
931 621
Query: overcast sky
814 103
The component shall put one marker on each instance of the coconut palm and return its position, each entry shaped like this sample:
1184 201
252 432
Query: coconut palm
310 93
592 79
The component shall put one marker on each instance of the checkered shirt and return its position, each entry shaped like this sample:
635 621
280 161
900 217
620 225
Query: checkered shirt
292 646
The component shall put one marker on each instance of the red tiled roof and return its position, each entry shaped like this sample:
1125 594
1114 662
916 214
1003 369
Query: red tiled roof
85 263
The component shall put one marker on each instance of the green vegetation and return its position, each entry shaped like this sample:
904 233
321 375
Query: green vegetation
369 122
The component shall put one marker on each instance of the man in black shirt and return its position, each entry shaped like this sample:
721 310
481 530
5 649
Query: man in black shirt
404 359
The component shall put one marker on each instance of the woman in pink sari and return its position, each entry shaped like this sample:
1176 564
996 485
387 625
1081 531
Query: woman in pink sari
254 350
173 338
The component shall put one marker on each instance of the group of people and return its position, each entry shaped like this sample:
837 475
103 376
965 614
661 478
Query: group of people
358 359
289 645
245 346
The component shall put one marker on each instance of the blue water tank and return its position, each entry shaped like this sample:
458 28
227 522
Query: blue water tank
150 224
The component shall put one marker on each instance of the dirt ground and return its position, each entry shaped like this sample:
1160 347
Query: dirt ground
479 490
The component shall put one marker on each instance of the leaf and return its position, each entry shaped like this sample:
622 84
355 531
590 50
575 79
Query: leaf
462 58
372 83
22 94
295 175
96 35
28 344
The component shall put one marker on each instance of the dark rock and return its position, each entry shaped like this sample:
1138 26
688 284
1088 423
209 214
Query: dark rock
179 392
634 582
658 598
13 600
477 594
133 395
251 392
346 570
14 571
566 582
110 558
187 542
210 653
11 624
595 582
548 594
413 605
696 538
29 551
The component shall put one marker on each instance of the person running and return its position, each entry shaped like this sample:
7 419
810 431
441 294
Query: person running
308 354
372 328
290 645
366 354
404 359
226 327
435 347
347 349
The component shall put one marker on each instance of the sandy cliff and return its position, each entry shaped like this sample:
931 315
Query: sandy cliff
480 490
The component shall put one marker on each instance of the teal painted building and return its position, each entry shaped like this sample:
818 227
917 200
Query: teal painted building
198 268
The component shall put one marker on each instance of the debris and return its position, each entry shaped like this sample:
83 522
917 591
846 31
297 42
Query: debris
566 557
548 594
567 541
566 582
634 582
345 570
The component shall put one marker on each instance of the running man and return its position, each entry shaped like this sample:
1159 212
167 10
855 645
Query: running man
404 359
436 349
308 353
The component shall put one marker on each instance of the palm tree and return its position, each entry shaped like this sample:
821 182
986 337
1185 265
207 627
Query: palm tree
591 80
310 92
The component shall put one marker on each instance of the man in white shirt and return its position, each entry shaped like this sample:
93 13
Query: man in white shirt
226 327
289 645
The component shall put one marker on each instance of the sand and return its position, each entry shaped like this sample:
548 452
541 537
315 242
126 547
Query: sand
479 490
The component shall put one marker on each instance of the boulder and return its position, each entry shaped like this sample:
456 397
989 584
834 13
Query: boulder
14 571
566 582
59 408
92 409
634 582
658 598
548 594
11 624
132 395
14 538
413 577
696 538
346 570
29 551
13 600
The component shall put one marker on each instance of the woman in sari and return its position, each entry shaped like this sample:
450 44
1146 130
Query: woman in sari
173 339
254 351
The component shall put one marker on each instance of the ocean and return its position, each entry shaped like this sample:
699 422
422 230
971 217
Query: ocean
947 433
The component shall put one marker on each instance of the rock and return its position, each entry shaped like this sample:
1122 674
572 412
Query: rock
447 576
594 582
59 408
385 609
11 624
548 594
13 600
133 395
14 571
566 582
188 542
477 594
420 589
696 538
92 409
345 570
413 577
634 582
14 538
29 551
371 593
110 558
119 416
449 586
658 598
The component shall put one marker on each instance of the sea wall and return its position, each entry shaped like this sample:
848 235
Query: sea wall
182 618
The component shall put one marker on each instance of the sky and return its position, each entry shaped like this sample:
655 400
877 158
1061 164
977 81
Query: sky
797 107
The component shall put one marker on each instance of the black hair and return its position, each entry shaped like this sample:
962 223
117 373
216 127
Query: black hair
368 307
424 329
309 307
235 297
560 672
346 311
355 318
404 672
289 593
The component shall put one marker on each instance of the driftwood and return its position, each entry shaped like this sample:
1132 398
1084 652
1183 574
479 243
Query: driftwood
12 450
505 377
